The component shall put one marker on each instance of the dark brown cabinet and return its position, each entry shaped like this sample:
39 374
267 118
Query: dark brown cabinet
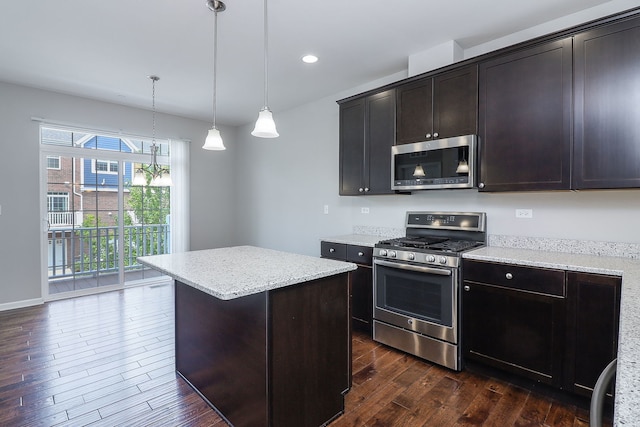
513 319
552 326
607 107
367 131
435 107
361 283
525 119
593 312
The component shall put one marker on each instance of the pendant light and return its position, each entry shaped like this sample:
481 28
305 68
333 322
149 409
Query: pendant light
214 140
265 126
160 175
418 172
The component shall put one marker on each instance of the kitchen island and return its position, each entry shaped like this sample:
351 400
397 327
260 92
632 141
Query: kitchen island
262 335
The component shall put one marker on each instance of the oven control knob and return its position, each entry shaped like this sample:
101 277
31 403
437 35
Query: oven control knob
392 254
431 258
383 252
411 256
443 260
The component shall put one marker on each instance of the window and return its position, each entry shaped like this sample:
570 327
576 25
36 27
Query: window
105 166
53 162
57 201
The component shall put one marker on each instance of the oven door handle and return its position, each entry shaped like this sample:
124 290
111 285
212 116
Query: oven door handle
410 267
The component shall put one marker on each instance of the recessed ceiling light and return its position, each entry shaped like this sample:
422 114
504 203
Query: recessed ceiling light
310 59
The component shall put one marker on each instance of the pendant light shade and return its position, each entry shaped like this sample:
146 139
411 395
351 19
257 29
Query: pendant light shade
265 126
214 139
463 167
418 172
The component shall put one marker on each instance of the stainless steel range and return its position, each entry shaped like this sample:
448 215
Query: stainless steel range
417 284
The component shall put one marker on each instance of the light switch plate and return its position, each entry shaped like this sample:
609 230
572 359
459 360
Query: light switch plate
364 210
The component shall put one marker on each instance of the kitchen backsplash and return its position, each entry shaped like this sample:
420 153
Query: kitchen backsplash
387 232
585 247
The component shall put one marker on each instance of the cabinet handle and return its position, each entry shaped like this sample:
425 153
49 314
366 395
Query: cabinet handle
360 253
481 185
435 134
366 189
467 288
360 189
428 135
509 276
332 250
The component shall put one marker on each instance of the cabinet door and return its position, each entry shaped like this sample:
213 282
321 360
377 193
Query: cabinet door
525 119
414 112
379 138
352 147
517 322
607 103
362 299
593 311
455 103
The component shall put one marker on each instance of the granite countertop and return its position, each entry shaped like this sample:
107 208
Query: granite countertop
228 273
627 396
355 239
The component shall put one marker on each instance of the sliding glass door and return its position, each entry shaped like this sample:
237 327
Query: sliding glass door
96 222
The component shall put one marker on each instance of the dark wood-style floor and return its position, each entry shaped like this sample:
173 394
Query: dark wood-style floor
108 359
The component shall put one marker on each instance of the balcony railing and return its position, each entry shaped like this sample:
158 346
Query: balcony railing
94 250
57 219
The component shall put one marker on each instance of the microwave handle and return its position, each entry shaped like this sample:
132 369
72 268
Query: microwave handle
438 271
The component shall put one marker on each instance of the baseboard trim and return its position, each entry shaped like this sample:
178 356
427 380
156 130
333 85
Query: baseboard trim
21 304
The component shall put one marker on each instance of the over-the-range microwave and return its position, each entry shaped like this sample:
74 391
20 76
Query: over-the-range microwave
435 164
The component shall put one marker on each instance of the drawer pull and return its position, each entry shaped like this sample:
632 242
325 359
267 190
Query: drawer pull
467 288
360 253
332 250
509 276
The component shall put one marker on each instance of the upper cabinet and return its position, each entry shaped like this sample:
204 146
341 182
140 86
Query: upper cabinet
525 119
607 106
436 107
367 130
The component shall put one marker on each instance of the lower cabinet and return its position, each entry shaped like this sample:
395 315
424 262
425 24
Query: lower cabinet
361 283
559 328
513 319
593 313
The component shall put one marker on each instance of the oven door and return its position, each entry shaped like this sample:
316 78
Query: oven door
418 298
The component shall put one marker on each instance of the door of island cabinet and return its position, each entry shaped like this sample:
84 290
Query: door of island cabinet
361 283
607 65
367 131
525 119
593 312
514 319
441 106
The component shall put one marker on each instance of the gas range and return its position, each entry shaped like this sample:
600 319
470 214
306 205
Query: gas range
436 238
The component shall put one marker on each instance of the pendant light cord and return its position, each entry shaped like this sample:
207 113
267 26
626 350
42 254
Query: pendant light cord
215 62
266 56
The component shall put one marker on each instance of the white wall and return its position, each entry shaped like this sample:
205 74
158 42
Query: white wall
211 202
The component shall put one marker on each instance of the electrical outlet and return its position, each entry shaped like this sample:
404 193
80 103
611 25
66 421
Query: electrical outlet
326 209
364 210
524 213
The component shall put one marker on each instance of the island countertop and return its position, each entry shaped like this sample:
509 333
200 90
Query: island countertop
228 273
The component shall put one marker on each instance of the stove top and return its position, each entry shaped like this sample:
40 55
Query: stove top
436 238
432 243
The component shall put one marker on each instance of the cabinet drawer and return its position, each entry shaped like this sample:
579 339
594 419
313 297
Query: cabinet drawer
541 280
360 254
333 250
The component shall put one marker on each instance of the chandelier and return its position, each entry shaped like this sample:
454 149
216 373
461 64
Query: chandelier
153 174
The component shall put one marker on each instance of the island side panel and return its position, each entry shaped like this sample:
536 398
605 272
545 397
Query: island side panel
310 352
221 351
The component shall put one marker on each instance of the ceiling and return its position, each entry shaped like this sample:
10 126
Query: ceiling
106 49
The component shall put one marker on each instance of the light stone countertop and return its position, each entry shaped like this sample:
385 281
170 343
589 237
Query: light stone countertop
627 395
233 272
355 239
